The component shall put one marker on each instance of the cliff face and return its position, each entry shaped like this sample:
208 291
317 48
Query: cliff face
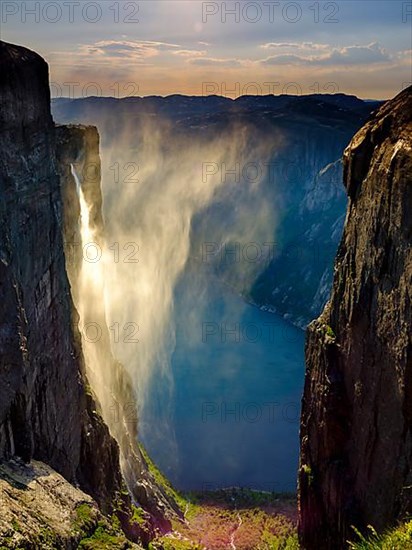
48 411
298 280
44 411
356 441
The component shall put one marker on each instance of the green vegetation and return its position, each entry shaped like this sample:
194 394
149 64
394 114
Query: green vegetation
329 332
255 519
98 534
84 513
139 516
249 519
162 480
16 525
103 539
275 542
307 470
397 538
47 538
168 543
85 519
238 497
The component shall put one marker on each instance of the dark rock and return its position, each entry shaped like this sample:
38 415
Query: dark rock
44 411
48 411
356 441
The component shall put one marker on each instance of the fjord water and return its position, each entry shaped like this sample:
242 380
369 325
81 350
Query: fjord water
238 378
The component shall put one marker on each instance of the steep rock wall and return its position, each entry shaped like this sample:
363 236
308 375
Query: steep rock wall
298 280
45 412
356 441
48 410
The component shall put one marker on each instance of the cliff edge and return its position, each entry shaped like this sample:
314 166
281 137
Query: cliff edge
51 427
45 412
356 440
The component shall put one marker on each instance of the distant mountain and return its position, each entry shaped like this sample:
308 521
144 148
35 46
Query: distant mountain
178 106
308 133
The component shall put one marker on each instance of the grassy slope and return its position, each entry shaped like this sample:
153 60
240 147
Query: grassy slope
399 538
248 519
211 525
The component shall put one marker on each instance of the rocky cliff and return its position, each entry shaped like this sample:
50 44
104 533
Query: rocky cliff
48 412
44 410
298 279
356 441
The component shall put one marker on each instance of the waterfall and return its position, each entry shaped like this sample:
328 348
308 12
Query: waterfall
90 304
150 239
108 378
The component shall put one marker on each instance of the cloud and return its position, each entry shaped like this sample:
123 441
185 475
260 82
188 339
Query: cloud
275 45
348 55
358 55
127 48
215 62
303 46
284 60
190 53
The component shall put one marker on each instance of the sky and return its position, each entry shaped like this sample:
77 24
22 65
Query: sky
150 47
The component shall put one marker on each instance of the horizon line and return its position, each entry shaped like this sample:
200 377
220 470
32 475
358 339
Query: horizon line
222 96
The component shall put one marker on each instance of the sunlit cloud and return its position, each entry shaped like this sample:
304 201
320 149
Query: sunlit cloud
217 62
172 50
349 55
190 53
274 45
127 48
295 46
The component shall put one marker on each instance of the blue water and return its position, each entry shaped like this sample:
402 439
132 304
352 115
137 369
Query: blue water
238 378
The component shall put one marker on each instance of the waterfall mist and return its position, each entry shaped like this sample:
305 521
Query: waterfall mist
168 197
